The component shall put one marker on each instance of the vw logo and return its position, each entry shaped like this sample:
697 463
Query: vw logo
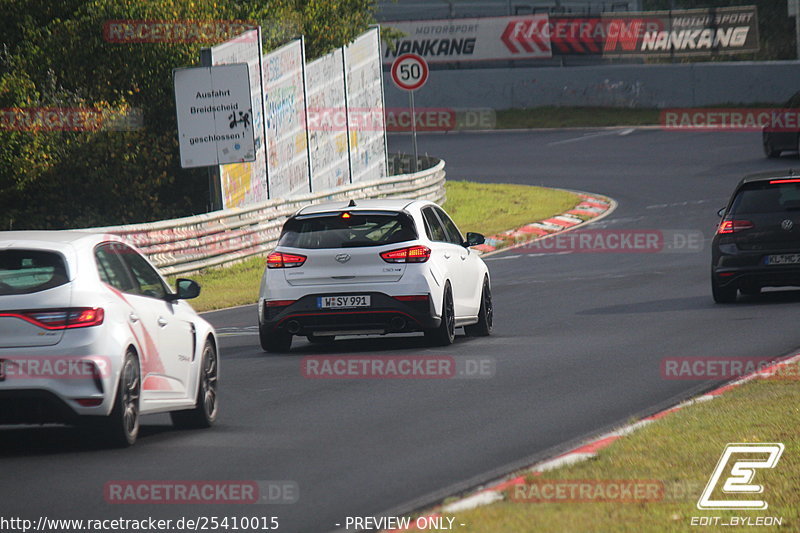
787 224
343 258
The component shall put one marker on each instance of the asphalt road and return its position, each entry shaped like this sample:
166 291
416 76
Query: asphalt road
577 346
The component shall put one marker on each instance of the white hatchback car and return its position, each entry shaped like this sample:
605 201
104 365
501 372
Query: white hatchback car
91 333
373 267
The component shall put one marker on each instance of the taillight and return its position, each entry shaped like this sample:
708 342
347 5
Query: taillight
282 260
412 254
76 317
732 226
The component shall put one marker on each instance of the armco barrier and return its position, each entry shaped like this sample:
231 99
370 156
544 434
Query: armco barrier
186 245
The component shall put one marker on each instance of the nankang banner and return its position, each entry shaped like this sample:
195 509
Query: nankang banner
472 39
690 32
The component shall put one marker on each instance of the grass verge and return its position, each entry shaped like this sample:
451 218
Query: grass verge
575 117
483 208
681 451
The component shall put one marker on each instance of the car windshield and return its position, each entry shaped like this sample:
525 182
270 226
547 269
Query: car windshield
29 271
347 230
767 198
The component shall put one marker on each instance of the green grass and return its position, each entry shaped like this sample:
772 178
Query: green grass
492 208
477 207
575 117
680 450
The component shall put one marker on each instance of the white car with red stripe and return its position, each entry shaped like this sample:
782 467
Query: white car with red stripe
91 333
371 267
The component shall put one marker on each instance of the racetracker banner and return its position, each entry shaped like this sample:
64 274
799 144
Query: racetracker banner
690 32
473 39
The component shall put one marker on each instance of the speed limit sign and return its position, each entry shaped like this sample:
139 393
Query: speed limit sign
409 72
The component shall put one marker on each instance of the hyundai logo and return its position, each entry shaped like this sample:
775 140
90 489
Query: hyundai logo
343 258
787 224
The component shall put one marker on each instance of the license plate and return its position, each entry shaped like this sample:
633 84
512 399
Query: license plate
342 302
782 259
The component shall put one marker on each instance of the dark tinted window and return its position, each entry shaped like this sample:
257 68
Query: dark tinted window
433 227
355 229
111 268
767 198
147 280
454 235
29 271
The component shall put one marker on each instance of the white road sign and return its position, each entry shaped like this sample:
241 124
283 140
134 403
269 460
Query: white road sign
215 117
409 72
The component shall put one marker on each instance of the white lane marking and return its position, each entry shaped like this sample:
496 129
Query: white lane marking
678 204
592 136
482 498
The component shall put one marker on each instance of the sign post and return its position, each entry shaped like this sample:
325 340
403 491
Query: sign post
409 73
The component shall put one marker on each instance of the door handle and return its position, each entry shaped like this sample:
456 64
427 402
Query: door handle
162 322
133 318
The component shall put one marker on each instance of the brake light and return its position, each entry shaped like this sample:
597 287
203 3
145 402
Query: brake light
732 226
795 180
282 260
55 319
412 254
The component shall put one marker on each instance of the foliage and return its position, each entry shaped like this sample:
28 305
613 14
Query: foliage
54 54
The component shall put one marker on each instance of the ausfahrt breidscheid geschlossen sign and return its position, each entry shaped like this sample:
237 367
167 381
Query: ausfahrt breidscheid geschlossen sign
215 125
687 32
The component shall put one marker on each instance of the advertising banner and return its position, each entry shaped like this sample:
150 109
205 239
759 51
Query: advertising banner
327 138
245 183
472 39
689 32
367 140
285 105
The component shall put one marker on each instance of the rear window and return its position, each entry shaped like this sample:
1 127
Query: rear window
347 230
767 198
29 271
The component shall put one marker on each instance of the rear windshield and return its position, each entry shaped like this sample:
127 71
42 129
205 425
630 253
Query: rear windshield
29 271
767 198
347 230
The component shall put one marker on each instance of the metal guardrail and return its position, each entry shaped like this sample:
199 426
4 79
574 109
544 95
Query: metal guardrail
186 245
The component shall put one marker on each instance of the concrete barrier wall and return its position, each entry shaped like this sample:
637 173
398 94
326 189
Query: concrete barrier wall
661 86
186 245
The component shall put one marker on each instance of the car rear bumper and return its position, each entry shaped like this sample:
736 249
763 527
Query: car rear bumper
386 314
34 406
776 276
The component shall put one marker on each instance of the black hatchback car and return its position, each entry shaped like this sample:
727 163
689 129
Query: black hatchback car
777 140
757 243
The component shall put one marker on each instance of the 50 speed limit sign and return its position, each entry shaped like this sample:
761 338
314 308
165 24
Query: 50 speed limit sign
409 72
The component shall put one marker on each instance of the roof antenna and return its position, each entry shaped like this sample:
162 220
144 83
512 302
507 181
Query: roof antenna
352 203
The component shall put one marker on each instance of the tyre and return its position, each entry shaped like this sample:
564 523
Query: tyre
445 334
769 150
274 341
121 428
483 327
321 339
722 295
206 406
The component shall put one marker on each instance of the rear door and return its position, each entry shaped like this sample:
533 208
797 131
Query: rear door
466 271
344 248
766 216
32 280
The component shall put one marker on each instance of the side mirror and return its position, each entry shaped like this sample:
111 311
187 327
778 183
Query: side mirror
185 289
474 239
721 212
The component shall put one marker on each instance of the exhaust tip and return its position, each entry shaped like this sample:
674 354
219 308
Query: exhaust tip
397 323
293 327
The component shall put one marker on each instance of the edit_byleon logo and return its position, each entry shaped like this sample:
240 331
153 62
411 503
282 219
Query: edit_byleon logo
740 474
